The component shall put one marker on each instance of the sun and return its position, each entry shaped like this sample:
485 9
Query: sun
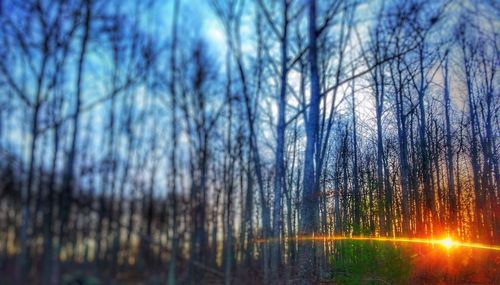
447 243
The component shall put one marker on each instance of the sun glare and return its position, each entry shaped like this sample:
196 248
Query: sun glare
447 243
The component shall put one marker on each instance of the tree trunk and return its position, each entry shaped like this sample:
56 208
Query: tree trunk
309 211
279 183
449 154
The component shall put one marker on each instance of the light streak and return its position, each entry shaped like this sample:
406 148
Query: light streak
447 242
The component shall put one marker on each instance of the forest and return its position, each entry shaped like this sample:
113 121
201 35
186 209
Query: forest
249 142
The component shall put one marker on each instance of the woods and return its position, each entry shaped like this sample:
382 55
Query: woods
184 142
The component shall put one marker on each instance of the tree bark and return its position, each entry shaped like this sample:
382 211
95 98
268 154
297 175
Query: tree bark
309 211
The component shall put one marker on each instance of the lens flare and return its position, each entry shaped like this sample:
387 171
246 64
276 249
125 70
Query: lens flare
447 242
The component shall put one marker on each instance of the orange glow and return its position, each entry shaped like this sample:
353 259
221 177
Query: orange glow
446 242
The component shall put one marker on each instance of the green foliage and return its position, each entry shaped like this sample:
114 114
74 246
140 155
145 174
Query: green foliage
366 262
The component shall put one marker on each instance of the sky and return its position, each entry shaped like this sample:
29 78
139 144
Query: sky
198 20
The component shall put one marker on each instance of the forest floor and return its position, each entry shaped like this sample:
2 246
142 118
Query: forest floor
456 266
372 263
354 263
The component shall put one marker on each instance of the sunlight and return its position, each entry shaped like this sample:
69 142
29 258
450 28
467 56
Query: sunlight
447 243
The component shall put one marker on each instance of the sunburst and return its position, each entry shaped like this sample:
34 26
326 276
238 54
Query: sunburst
446 242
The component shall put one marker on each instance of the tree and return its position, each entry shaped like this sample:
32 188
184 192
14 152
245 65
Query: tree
309 210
